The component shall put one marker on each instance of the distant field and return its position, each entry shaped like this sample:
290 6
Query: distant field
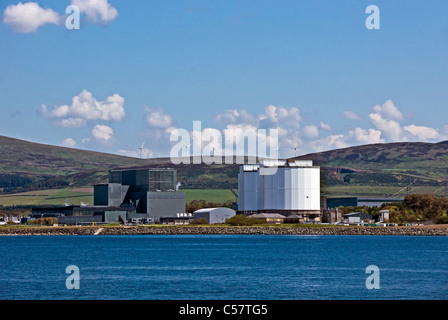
209 195
48 197
77 195
381 190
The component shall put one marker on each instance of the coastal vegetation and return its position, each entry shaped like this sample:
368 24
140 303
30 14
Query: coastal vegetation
415 208
242 220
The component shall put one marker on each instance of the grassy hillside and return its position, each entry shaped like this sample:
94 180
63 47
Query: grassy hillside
48 197
76 196
378 169
27 166
385 168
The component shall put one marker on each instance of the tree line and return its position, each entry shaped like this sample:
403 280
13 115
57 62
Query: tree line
414 208
194 205
14 183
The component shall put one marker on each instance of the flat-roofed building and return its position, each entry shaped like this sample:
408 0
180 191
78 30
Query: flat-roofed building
214 215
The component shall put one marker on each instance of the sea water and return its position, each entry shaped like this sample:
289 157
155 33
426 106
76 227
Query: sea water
218 267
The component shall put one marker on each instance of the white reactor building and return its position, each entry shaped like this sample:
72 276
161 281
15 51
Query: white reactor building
288 187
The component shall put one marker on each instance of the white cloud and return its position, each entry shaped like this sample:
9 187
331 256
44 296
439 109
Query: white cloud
233 116
386 119
390 128
69 143
157 118
102 133
389 111
423 133
325 126
311 132
71 123
273 115
159 125
286 120
97 10
85 107
361 136
385 127
28 17
326 143
350 115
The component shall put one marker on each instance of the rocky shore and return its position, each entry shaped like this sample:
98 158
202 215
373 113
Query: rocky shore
196 230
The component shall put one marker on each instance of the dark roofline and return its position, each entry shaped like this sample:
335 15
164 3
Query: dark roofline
142 169
365 198
84 208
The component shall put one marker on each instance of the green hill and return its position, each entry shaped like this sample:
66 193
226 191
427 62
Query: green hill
377 169
390 168
28 166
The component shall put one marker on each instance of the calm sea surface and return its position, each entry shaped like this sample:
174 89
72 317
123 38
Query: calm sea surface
223 267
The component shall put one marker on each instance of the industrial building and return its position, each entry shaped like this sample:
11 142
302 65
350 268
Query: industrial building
335 202
331 216
83 215
179 219
357 218
152 192
287 187
274 218
214 215
131 196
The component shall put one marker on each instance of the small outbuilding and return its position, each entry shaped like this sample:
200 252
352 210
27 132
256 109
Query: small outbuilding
214 215
357 217
275 218
294 219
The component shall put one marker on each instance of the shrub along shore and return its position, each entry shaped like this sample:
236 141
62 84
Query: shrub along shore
441 230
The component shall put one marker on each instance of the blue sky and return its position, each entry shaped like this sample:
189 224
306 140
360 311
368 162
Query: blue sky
310 68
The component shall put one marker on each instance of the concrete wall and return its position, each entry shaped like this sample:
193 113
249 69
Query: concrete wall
165 204
100 195
112 194
113 216
248 189
79 220
291 188
116 194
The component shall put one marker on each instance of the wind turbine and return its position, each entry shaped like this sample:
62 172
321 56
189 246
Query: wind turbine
141 149
187 147
276 151
295 151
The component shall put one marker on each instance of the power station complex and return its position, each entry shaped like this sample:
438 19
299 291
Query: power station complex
152 192
287 187
286 190
132 196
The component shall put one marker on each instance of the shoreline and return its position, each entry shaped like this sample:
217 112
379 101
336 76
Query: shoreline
225 230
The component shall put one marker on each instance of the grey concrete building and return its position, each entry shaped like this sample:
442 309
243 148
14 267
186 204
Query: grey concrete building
335 202
152 192
83 215
357 218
